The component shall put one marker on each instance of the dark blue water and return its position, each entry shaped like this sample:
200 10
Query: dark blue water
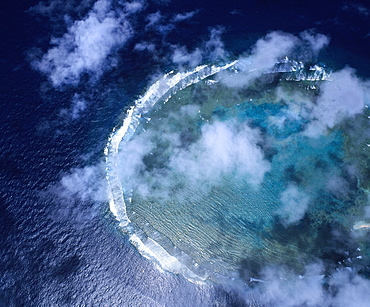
59 248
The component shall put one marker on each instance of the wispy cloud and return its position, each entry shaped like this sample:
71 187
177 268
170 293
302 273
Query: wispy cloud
159 23
146 46
184 16
339 99
132 7
338 186
272 48
349 289
214 47
87 183
315 41
78 195
264 55
358 8
59 9
283 288
212 50
181 56
78 106
295 203
153 19
165 23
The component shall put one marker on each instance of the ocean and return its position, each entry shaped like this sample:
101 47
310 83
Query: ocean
162 153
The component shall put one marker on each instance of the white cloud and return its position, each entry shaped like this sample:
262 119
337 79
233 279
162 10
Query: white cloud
86 46
316 41
145 46
285 289
299 103
133 6
181 56
269 50
214 47
85 184
282 288
352 289
338 186
78 106
79 195
264 55
131 156
295 203
212 50
339 99
184 16
223 147
153 19
158 23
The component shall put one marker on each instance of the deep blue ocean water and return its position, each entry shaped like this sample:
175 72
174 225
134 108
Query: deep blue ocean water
63 247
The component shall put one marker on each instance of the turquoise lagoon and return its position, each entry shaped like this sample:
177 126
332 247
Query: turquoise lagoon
216 182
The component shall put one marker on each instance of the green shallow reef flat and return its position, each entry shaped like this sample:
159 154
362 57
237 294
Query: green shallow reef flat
230 176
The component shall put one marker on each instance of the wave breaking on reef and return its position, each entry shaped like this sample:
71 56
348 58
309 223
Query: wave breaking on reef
162 90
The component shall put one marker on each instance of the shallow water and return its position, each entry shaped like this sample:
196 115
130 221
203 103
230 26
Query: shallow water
228 175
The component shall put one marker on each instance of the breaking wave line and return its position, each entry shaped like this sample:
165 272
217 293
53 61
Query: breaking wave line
162 90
